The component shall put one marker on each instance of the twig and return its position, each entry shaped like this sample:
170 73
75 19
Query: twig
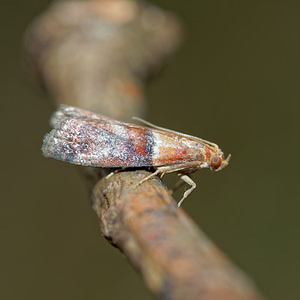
96 55
176 259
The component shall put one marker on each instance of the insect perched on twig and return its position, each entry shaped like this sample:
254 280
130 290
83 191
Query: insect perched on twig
88 139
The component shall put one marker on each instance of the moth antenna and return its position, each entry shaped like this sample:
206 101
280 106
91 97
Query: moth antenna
148 123
210 144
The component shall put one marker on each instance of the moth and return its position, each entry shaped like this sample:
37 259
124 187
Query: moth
85 138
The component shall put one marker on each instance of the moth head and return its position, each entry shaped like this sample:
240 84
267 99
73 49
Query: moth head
218 161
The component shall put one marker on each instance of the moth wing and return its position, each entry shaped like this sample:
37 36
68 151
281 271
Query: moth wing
87 139
213 146
74 112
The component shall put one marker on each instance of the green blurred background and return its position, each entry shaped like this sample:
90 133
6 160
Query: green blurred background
235 81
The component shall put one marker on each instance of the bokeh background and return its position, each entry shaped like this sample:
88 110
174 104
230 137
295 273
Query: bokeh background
235 81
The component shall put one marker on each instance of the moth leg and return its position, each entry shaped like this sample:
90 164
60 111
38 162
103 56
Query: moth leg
148 177
189 181
114 172
177 185
162 174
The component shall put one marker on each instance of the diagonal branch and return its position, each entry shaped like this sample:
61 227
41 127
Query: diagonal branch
175 258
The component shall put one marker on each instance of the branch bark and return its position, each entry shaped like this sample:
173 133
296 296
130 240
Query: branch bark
97 55
175 258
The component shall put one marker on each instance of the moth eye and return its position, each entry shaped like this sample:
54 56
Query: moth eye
216 161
